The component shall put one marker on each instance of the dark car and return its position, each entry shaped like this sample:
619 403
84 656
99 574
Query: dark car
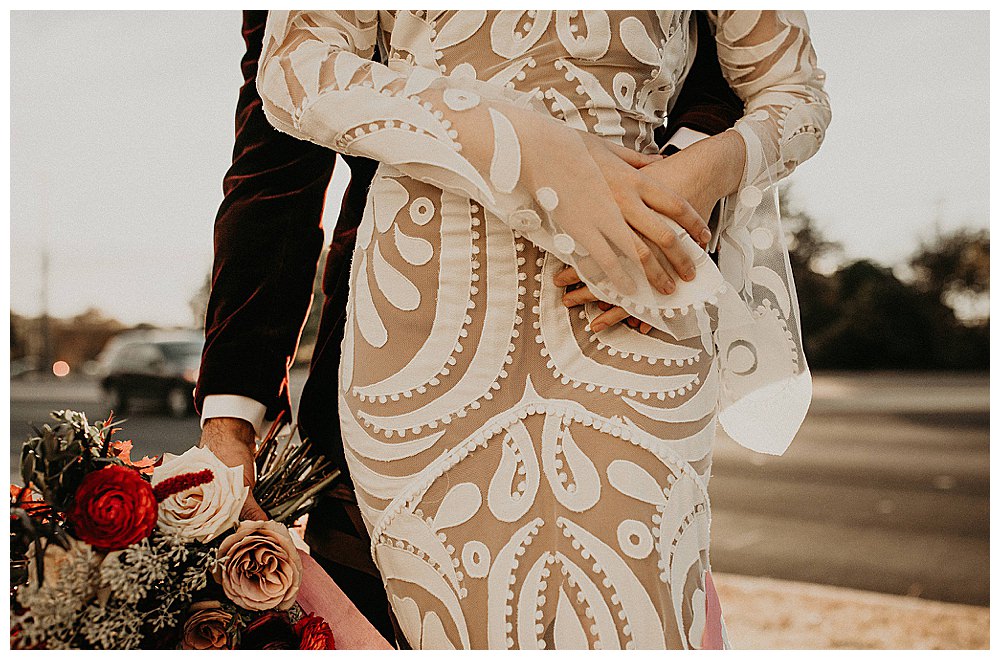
161 372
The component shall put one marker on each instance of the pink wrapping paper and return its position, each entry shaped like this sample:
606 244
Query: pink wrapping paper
712 637
319 594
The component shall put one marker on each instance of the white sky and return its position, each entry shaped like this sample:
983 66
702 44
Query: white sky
122 124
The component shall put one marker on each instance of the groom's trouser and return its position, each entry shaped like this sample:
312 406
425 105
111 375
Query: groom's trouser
339 542
336 534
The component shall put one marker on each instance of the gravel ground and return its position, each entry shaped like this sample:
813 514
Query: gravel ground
763 613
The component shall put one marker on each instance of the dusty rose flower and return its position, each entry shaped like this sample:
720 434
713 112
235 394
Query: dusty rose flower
204 512
206 627
261 569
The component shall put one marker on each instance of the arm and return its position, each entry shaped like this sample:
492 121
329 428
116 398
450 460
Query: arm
706 104
483 141
267 243
770 63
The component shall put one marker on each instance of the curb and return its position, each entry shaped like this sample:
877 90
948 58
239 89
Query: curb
767 613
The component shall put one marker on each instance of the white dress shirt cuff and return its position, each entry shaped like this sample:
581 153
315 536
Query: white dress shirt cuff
234 405
684 137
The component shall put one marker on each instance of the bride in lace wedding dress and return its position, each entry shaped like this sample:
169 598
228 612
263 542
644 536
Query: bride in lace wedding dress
528 482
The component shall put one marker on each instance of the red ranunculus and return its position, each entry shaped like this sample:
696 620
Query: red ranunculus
113 508
314 634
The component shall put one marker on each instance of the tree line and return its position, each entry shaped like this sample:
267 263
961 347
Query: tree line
930 313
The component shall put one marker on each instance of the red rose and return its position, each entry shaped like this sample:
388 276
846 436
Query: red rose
113 508
314 634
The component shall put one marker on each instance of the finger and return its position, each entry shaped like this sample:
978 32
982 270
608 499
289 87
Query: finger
660 232
654 270
578 297
623 238
566 277
644 328
608 318
632 322
610 263
251 510
632 157
604 306
669 203
661 257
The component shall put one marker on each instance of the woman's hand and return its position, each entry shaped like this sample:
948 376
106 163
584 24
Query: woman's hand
702 174
653 208
602 200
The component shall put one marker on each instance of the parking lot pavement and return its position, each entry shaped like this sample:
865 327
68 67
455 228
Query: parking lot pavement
763 613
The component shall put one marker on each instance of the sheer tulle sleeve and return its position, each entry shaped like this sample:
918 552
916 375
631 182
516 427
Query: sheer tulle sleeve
463 135
318 83
769 61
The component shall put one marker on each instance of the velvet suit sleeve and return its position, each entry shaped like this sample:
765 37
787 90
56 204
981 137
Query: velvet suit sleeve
706 102
267 240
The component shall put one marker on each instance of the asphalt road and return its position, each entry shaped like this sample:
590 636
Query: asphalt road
886 488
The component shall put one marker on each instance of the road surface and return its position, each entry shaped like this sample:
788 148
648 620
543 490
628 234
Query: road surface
886 488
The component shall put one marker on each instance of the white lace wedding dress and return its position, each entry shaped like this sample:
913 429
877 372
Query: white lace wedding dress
528 483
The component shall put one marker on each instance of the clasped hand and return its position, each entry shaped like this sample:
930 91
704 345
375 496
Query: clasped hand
657 199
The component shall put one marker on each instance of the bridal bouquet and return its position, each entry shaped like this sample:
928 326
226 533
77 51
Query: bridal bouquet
111 553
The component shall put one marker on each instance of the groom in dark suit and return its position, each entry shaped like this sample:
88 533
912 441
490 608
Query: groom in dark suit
268 238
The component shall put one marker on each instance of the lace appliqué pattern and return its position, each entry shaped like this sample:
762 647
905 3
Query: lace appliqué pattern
527 482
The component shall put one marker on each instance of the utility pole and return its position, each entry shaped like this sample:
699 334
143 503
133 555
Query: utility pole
46 357
46 366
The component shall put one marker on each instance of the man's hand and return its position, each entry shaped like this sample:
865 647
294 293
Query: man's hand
611 313
704 172
232 440
701 174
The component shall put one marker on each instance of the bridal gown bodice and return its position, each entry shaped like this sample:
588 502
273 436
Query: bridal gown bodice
529 483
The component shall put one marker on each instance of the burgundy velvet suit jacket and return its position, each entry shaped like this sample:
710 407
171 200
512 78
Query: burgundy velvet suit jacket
268 238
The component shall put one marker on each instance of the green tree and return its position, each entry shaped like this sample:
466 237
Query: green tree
810 254
199 302
861 315
954 267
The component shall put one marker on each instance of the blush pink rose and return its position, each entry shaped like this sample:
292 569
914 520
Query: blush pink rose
261 569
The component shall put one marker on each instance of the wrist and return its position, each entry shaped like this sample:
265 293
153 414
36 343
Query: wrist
729 161
228 428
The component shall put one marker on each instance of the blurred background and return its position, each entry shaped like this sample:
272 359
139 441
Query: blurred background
121 132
